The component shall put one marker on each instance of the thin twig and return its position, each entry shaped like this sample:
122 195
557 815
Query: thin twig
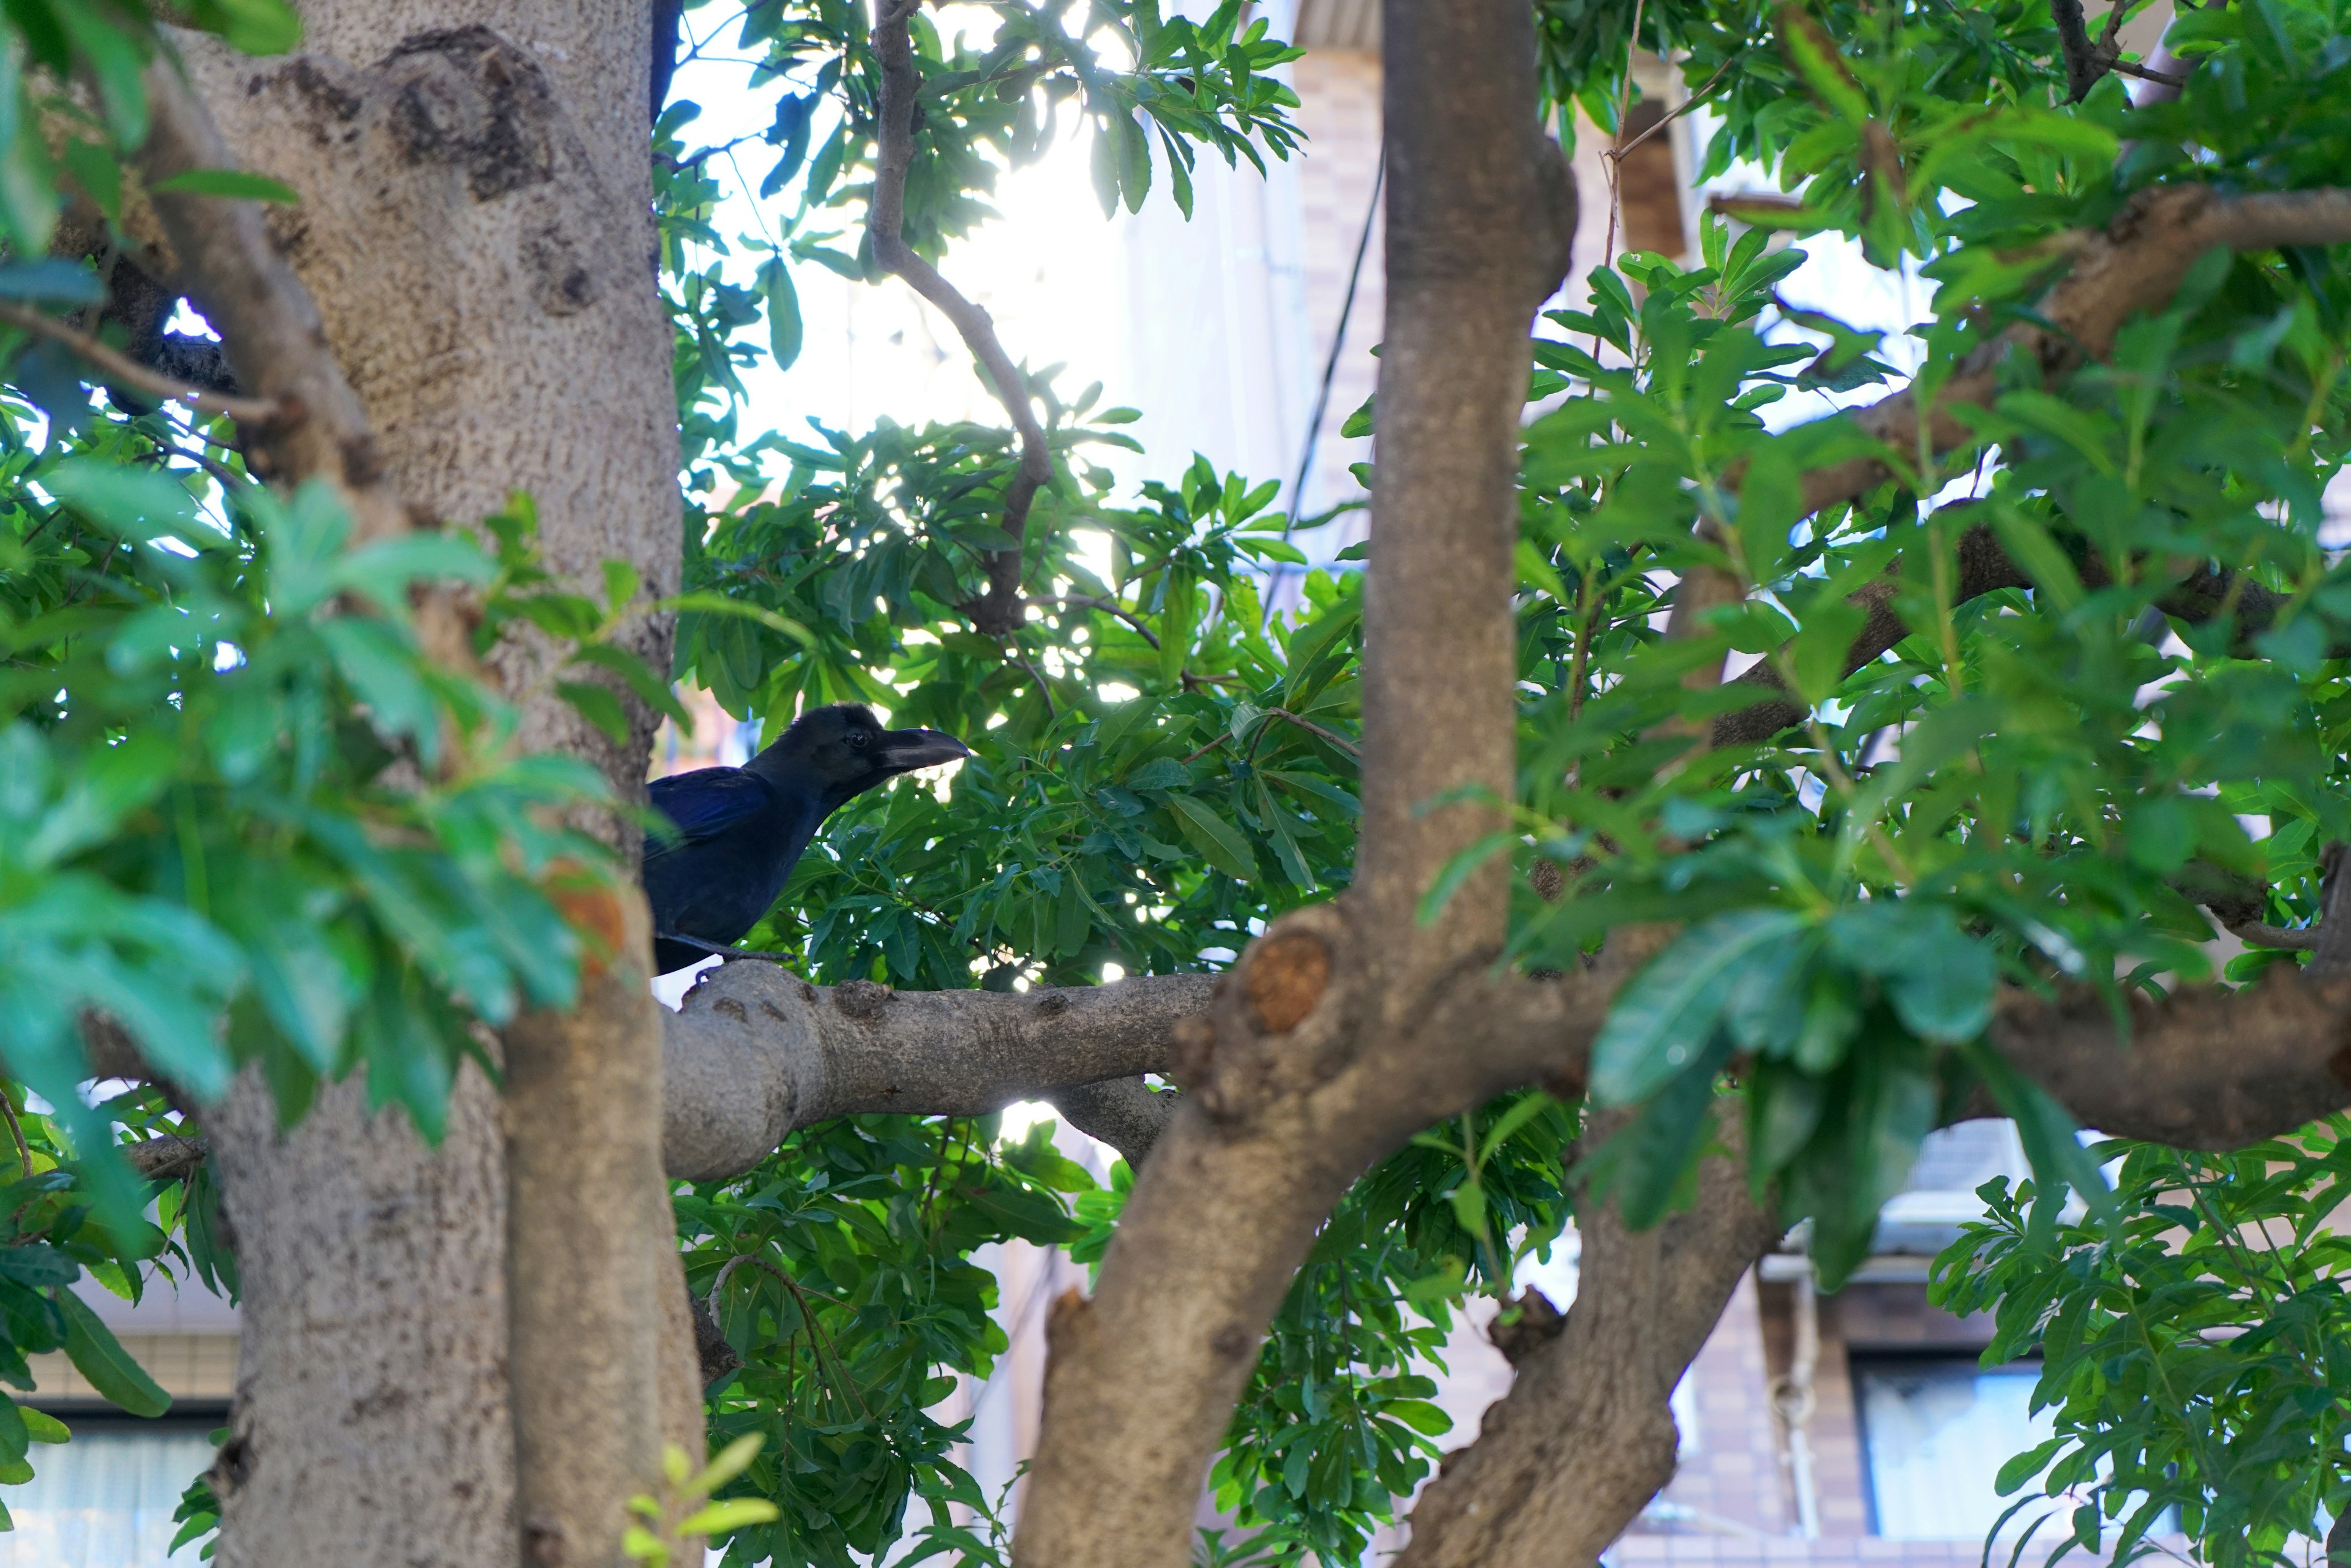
1111 607
2291 939
118 367
683 164
818 1341
1341 741
16 1131
1615 179
1044 688
2148 73
2110 38
1692 101
998 611
1335 738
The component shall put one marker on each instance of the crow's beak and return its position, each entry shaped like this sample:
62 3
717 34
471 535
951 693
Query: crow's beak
904 750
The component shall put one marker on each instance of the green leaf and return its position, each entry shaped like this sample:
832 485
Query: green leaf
235 184
729 1514
599 707
1213 837
785 331
726 1464
54 278
137 503
1419 1415
1665 1016
37 1263
99 1357
16 1434
1815 54
1134 160
703 602
1819 652
255 26
1530 1106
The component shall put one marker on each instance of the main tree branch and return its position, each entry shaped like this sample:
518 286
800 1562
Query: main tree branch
998 611
756 1052
2134 263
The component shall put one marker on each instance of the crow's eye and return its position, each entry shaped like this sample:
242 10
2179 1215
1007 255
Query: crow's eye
857 737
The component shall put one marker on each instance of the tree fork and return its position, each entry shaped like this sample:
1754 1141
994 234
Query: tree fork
1316 1058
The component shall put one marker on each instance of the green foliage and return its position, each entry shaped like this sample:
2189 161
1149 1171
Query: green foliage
665 1526
246 794
1337 1424
1156 765
53 1232
2031 785
1154 89
2193 1357
51 139
208 824
2063 778
841 1271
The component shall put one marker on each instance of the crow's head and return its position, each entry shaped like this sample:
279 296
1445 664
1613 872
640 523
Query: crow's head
845 750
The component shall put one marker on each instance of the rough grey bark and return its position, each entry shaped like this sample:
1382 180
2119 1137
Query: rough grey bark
370 1421
757 1051
1124 1112
1585 1438
476 240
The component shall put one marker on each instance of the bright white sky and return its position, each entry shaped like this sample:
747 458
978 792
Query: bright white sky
1050 271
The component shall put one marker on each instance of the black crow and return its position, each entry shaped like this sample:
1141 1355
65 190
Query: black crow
741 830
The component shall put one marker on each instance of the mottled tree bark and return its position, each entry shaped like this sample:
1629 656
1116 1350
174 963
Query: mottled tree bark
369 1426
475 234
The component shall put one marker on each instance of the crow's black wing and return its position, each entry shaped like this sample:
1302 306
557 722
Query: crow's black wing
704 804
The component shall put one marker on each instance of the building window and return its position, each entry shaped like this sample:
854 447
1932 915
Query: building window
105 1500
1935 1434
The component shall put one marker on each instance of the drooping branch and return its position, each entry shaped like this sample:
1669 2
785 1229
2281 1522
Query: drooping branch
1586 1437
2134 263
1124 1112
119 368
756 1052
998 611
275 339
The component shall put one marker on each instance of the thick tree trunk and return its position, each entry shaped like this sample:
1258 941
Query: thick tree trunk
475 230
371 1418
1344 1031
